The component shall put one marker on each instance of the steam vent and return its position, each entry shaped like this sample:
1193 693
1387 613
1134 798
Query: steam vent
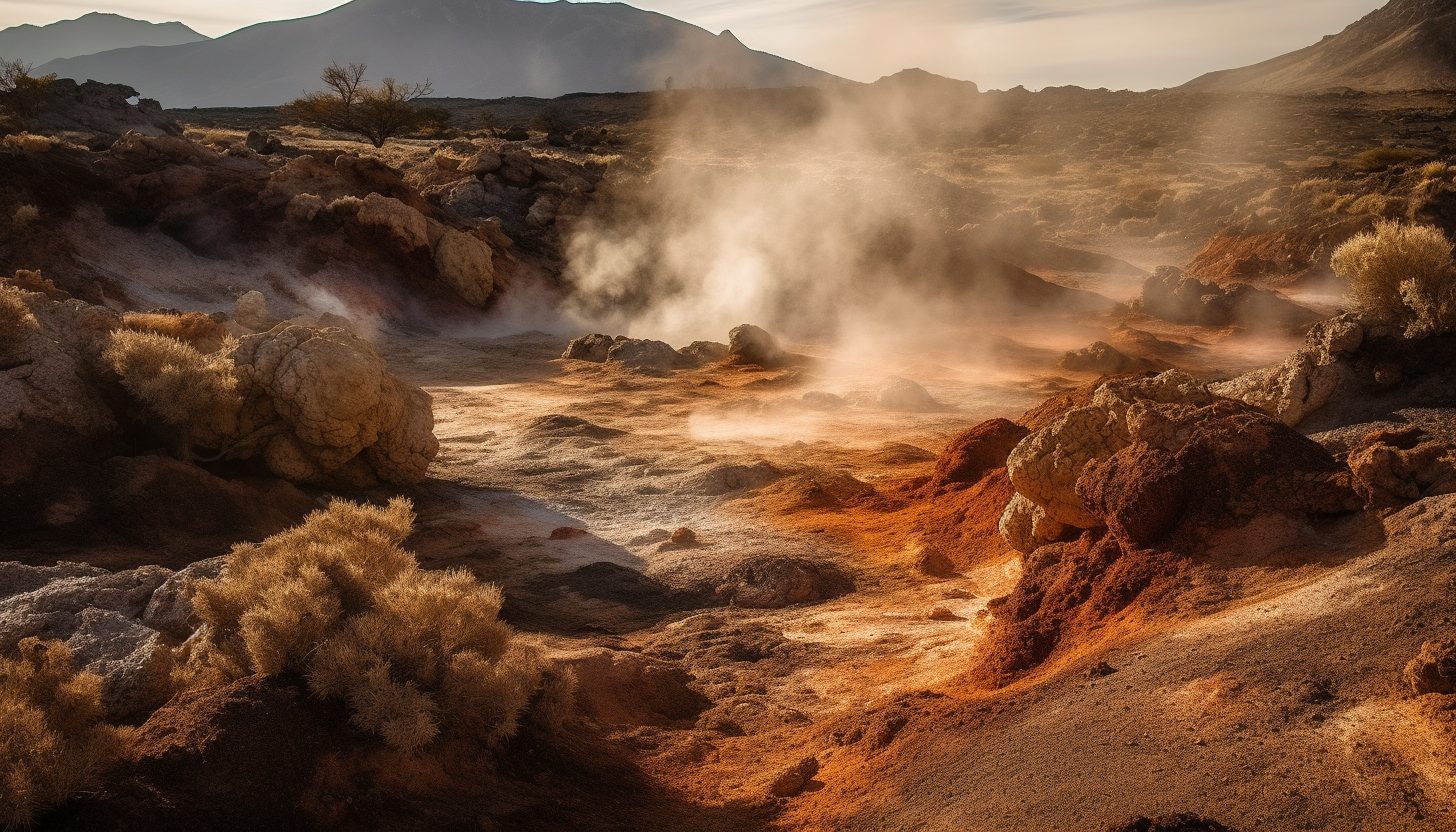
498 415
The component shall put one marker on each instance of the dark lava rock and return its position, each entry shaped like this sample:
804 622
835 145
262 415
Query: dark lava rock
775 582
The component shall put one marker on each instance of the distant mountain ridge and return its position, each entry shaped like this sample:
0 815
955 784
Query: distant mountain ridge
468 48
1404 45
88 34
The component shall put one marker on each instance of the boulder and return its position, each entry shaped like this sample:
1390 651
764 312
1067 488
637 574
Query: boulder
1045 466
55 369
53 611
774 582
251 311
404 223
262 143
542 212
320 405
467 264
1434 670
1026 527
905 395
795 779
1392 468
639 353
592 348
468 198
486 161
516 168
304 208
1104 359
748 344
1149 454
704 352
102 110
17 578
96 615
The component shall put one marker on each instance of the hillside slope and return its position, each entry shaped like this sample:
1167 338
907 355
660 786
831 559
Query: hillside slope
1405 45
468 48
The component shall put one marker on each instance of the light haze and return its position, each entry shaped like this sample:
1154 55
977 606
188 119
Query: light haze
1133 44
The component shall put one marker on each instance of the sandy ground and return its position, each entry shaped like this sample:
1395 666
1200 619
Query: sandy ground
1278 709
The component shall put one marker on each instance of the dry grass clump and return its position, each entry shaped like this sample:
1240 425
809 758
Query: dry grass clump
53 742
338 601
1438 171
1377 159
184 388
1401 274
199 330
28 142
15 317
24 215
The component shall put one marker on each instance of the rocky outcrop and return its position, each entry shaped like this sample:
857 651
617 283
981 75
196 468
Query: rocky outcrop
775 582
169 610
1173 296
1144 451
1304 382
633 353
52 371
97 614
1393 468
101 110
1104 359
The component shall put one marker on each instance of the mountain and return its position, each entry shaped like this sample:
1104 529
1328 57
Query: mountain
1405 45
95 32
468 48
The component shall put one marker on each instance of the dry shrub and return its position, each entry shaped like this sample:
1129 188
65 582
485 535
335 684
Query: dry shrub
1377 159
53 742
28 142
337 600
25 215
184 388
1440 171
15 317
199 330
1401 274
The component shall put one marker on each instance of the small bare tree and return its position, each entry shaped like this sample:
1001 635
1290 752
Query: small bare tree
351 105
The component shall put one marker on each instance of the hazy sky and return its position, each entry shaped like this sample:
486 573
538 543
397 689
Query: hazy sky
1135 44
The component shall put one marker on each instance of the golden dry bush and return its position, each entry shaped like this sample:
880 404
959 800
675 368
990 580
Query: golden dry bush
181 386
15 317
1401 274
431 655
413 653
199 330
53 742
278 601
28 142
